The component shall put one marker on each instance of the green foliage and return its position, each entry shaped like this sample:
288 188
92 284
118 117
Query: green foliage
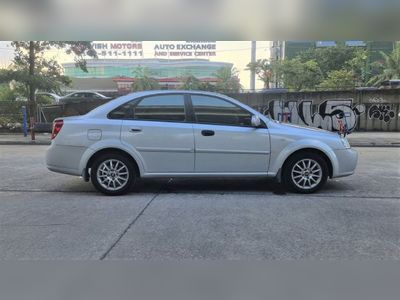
190 82
228 80
206 86
43 99
331 58
360 67
143 80
317 68
263 69
297 75
10 112
47 73
338 79
6 93
389 68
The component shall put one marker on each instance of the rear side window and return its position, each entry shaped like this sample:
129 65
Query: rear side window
124 111
211 110
169 108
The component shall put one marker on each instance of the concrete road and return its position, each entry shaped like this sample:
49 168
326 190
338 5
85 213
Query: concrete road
44 215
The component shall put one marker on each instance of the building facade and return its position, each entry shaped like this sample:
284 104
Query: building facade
117 75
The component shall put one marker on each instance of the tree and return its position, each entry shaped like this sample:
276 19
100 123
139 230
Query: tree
6 93
206 86
338 79
297 75
143 80
34 71
360 67
227 80
263 69
190 82
331 58
389 68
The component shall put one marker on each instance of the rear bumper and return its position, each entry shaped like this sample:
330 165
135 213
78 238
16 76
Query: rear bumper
65 159
346 162
63 170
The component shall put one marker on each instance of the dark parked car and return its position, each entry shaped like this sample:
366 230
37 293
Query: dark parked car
82 96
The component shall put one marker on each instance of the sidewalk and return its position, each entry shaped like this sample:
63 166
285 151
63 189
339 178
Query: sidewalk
356 139
19 139
374 139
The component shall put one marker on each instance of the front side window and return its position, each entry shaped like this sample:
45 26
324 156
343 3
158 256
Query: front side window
169 108
211 110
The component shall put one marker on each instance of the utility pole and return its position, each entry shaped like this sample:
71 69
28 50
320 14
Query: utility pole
277 54
253 60
32 104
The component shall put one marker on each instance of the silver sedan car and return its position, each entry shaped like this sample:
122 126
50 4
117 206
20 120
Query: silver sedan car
192 134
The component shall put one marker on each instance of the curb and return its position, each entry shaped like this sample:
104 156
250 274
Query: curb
372 145
30 143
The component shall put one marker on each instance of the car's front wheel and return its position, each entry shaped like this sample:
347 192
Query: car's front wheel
113 174
305 172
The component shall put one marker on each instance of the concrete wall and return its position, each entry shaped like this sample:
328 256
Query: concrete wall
357 110
363 110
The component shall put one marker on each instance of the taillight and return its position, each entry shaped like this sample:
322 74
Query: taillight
57 125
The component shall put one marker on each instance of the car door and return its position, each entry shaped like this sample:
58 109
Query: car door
225 141
159 130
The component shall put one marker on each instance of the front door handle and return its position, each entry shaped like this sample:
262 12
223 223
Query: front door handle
207 132
135 129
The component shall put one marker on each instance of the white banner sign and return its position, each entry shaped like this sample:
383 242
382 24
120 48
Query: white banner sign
185 49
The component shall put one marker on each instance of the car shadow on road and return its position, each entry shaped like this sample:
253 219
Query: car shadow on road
202 185
226 185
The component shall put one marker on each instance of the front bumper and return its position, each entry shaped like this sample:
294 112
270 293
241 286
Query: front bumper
346 162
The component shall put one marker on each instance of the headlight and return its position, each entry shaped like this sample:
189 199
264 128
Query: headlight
345 142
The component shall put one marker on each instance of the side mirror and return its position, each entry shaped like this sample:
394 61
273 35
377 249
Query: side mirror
255 121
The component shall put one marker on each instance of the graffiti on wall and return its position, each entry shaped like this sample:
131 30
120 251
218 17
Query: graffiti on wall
381 112
333 115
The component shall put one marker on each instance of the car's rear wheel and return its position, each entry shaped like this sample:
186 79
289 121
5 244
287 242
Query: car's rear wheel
305 172
113 174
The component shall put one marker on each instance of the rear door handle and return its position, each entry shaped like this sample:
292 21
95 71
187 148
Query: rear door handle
207 132
135 129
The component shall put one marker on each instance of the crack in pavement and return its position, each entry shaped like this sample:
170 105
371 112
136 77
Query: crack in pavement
128 227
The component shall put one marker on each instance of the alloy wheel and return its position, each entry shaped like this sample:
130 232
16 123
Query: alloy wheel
112 174
306 174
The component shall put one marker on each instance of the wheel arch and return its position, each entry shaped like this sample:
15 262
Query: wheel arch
111 150
310 150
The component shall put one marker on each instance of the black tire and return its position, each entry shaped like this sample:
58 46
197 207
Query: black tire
312 182
113 157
